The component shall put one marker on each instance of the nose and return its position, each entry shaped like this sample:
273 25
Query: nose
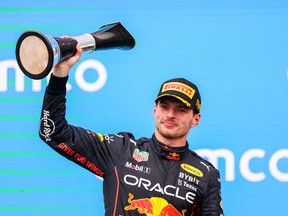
171 113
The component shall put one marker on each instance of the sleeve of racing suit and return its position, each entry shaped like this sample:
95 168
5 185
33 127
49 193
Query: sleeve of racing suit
212 202
89 150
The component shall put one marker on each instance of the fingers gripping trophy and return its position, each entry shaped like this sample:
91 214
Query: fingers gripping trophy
37 54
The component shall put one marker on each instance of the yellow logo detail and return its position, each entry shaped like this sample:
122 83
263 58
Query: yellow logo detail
191 169
198 105
180 87
101 137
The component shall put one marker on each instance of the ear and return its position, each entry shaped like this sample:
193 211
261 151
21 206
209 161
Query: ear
196 120
154 109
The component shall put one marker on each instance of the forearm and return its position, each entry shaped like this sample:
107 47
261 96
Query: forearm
53 110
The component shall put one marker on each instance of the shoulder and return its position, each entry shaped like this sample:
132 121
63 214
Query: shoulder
130 138
202 164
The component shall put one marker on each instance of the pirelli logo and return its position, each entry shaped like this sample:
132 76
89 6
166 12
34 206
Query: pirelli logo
191 169
180 87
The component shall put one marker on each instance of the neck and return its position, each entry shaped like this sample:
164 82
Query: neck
172 142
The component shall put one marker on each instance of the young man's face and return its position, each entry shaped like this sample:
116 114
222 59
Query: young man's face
173 118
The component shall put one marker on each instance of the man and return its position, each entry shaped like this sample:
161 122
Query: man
148 176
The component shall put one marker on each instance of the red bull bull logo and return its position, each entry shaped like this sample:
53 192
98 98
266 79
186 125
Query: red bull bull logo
154 206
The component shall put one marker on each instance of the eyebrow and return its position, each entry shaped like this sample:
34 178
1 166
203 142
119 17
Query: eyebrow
179 104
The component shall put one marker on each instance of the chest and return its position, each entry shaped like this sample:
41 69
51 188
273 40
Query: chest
144 174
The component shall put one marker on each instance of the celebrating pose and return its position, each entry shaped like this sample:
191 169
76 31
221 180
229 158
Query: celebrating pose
152 176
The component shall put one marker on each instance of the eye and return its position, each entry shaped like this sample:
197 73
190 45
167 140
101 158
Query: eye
182 110
164 106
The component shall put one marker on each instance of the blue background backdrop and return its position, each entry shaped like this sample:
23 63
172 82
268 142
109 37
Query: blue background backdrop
235 51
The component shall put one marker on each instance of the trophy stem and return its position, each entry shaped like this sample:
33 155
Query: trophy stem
86 42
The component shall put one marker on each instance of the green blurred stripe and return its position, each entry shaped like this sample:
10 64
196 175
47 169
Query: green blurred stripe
5 46
39 172
41 190
7 117
27 154
22 99
13 81
17 136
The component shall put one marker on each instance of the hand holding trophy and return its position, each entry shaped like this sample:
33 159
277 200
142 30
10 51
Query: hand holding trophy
37 54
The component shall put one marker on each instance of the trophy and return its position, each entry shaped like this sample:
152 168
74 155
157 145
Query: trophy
37 54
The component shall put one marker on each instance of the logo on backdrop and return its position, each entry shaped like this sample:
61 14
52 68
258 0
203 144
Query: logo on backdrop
245 163
80 81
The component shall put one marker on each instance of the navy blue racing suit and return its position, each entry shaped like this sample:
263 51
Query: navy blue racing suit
141 176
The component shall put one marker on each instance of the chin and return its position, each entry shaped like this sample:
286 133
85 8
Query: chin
169 135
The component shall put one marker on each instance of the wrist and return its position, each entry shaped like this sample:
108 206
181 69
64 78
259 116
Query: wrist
57 84
59 71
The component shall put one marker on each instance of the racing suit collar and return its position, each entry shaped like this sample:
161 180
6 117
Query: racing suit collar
170 153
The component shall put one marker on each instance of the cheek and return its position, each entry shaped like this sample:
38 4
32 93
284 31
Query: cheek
155 114
187 121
